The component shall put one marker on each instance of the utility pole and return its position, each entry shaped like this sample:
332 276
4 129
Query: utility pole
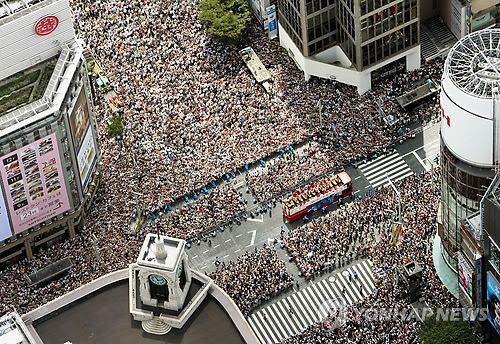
94 243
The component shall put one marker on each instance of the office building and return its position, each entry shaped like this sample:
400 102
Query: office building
347 41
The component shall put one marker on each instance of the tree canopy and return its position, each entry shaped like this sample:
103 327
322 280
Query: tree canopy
439 331
225 19
115 126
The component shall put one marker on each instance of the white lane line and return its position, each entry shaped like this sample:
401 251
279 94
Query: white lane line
238 250
429 143
256 219
227 255
216 245
205 251
254 232
392 172
420 161
357 177
386 168
193 257
228 240
238 235
203 267
366 187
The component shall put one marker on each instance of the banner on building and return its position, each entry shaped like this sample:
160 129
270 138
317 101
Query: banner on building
5 229
34 184
493 300
83 137
272 22
465 273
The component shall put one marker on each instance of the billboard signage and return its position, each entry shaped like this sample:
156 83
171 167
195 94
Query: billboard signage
83 137
34 183
493 299
5 230
272 23
46 25
465 276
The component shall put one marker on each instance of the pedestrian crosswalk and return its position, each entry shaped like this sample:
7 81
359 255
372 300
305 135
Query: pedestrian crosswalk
392 166
296 312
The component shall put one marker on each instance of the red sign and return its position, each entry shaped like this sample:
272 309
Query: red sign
46 25
445 117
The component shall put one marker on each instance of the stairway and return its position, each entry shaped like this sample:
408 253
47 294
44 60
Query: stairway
156 326
435 39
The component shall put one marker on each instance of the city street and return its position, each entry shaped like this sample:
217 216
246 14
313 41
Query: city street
413 156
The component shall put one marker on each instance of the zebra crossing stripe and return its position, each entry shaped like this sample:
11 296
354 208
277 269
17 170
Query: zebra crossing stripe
394 178
257 328
394 170
297 314
314 301
377 162
381 168
286 319
265 323
366 268
275 322
307 310
280 330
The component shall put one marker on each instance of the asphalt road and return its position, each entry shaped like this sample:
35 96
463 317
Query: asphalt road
413 156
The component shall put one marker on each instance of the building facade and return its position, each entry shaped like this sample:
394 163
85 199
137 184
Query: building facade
48 139
346 40
470 133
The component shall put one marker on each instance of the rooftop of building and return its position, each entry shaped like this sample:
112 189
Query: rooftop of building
173 248
473 64
99 313
11 7
13 330
25 87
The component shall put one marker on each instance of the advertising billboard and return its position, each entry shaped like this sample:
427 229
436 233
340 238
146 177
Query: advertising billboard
83 137
465 276
493 299
34 183
5 230
272 22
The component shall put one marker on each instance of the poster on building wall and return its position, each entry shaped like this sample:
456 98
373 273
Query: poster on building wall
465 277
272 22
5 229
34 185
83 137
493 300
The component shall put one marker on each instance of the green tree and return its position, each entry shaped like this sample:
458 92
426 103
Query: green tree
225 19
438 331
115 126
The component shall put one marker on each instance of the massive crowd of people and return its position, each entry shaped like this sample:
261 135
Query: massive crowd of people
253 278
331 235
200 113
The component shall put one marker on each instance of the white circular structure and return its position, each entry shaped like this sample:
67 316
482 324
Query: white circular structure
469 87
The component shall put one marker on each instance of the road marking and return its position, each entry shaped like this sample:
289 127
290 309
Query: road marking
355 192
216 245
228 240
366 187
203 267
227 255
357 177
238 235
420 161
420 148
205 251
238 250
253 238
257 220
193 257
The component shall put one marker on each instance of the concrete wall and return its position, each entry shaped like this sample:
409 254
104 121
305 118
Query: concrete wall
21 47
427 9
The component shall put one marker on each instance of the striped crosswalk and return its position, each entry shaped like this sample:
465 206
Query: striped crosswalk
392 166
294 313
